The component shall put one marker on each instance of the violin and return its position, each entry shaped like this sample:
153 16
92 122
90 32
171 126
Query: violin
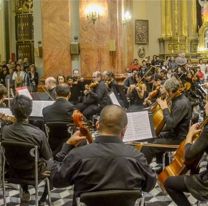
7 118
78 119
179 166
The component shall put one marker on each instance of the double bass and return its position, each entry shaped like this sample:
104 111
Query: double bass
179 166
78 119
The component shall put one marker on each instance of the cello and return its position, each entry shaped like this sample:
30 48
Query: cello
78 119
179 166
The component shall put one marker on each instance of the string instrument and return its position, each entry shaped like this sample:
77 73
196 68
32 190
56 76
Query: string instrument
152 95
45 90
7 118
78 119
179 166
139 145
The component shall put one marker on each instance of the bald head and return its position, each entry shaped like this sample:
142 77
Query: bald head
50 83
113 120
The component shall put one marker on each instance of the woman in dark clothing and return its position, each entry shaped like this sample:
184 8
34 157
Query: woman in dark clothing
33 78
196 184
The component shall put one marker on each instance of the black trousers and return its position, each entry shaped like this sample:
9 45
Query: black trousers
164 138
175 187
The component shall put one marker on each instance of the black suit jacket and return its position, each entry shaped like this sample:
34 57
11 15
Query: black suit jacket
60 111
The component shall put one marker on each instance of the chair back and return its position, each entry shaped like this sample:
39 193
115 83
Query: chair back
20 155
110 198
58 133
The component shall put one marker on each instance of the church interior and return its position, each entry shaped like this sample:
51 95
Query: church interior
149 57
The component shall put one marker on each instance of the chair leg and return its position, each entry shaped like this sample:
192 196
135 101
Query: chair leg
4 191
3 179
49 192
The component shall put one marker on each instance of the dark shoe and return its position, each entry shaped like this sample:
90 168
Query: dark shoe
41 203
25 197
158 169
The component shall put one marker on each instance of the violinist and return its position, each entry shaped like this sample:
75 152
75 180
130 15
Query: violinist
109 79
176 119
50 85
196 184
157 90
136 94
95 97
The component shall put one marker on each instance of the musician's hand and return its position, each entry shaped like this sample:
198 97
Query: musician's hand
86 92
163 103
194 129
206 108
76 139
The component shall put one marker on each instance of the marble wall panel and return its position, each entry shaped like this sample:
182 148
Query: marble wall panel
56 37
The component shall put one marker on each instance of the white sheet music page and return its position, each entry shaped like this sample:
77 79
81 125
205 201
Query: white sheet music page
138 127
23 91
38 107
113 98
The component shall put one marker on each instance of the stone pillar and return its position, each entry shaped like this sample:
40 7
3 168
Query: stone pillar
184 27
168 18
56 37
96 38
2 34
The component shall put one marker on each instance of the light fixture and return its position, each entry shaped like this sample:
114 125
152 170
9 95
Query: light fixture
126 17
93 13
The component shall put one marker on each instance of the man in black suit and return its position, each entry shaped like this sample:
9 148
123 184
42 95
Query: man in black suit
57 116
61 110
95 97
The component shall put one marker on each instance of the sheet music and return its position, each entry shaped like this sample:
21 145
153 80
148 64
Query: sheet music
113 98
6 111
23 91
38 107
138 127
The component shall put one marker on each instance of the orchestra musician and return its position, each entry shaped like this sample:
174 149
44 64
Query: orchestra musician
3 93
50 85
23 132
61 110
107 163
95 97
176 119
196 184
136 94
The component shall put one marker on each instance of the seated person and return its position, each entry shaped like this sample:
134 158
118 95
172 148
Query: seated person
107 163
3 93
50 85
95 97
176 119
196 184
61 112
21 131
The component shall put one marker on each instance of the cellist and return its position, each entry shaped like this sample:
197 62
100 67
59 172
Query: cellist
176 117
196 184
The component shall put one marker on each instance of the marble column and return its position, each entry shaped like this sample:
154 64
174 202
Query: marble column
2 34
56 27
95 38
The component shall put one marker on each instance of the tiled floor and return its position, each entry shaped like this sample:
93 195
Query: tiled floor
63 197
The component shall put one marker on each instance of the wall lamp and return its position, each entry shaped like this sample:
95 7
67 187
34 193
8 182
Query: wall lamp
126 17
93 12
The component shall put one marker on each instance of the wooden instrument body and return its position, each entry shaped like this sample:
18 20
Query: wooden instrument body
78 117
158 118
179 166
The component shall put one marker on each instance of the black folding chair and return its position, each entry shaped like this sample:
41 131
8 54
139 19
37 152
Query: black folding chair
111 198
16 156
58 133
